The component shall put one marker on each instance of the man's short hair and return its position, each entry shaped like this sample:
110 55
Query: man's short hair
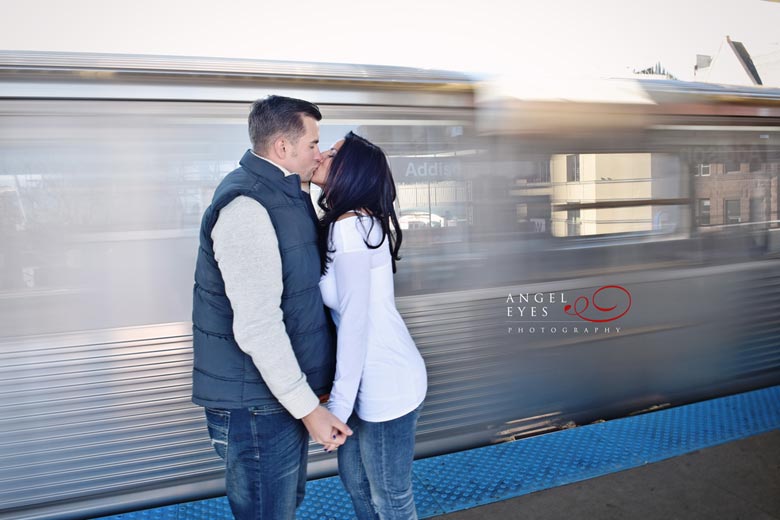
273 116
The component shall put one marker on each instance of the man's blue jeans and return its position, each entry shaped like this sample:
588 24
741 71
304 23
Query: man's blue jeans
265 451
375 465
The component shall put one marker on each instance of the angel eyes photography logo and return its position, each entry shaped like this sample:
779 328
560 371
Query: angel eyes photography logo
568 312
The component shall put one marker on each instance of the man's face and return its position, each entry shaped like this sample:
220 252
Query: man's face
305 157
321 173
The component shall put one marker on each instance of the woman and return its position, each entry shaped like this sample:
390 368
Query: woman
380 376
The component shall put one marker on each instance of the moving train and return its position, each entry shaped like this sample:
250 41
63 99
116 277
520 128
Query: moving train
572 253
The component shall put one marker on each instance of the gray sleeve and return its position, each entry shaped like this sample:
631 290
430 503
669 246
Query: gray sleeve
247 252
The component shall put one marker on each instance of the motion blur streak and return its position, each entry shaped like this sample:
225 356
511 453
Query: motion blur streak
513 203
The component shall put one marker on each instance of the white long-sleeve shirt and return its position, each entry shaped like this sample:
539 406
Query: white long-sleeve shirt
379 371
247 252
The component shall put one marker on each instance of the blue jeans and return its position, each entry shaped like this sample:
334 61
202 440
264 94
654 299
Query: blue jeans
265 451
375 465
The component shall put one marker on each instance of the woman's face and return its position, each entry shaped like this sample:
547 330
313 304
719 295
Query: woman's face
322 171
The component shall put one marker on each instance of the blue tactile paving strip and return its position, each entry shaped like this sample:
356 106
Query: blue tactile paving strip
476 477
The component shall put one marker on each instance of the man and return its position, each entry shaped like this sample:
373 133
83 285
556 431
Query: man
263 346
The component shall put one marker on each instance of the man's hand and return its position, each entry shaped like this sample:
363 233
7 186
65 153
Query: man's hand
326 429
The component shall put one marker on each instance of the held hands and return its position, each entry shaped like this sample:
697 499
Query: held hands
326 429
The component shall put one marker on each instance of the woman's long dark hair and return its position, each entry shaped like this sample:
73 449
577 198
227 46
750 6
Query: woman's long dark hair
359 179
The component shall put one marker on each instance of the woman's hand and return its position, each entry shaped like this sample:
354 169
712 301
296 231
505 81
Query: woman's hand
329 447
326 429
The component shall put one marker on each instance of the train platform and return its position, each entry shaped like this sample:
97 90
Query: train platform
736 480
713 459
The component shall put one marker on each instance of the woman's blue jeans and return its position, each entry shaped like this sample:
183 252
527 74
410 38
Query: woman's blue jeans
375 465
265 451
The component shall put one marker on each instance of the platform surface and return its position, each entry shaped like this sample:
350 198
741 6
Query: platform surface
614 469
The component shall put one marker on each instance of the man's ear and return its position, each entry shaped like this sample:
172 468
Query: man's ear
281 146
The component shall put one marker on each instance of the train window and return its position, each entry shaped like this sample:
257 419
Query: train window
617 193
731 194
430 161
107 219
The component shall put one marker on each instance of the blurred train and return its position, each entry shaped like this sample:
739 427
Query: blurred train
572 252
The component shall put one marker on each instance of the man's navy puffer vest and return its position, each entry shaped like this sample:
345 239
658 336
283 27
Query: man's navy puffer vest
223 375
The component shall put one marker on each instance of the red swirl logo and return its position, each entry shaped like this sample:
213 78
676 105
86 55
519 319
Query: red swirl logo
582 303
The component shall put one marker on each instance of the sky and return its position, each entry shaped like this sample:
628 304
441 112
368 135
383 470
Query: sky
567 38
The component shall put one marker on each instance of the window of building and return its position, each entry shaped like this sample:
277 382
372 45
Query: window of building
703 212
572 168
700 170
757 209
731 212
732 167
573 222
542 172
